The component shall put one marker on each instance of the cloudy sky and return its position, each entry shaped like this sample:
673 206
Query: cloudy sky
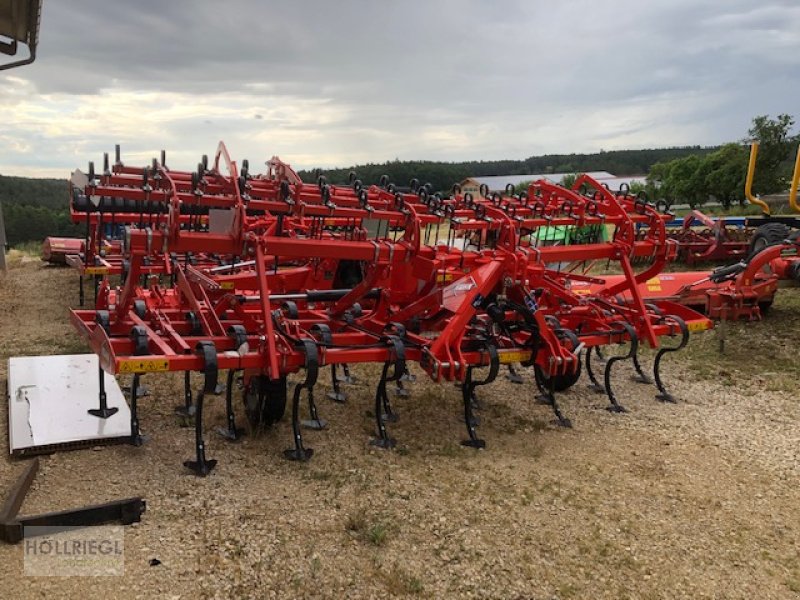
335 83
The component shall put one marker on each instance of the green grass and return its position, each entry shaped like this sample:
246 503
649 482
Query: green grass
761 354
719 211
30 248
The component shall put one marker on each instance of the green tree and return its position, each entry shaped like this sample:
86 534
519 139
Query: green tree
775 148
568 180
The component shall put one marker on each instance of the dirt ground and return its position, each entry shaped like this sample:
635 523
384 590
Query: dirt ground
694 500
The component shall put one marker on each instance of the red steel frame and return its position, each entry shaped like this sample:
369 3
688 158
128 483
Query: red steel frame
451 309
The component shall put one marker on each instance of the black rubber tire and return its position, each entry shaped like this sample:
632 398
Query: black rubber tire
566 381
766 235
349 273
264 401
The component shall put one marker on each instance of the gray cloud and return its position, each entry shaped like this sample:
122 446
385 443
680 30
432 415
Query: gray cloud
438 79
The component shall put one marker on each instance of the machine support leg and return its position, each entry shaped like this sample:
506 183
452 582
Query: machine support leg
104 411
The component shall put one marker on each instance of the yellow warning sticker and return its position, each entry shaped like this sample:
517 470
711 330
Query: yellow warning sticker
138 365
226 285
514 356
95 271
697 325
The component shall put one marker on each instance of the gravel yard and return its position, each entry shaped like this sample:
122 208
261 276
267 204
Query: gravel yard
694 500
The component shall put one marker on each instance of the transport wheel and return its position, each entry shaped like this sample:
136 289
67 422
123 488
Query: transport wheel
264 400
768 235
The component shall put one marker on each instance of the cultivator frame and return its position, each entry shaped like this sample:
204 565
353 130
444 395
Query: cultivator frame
304 276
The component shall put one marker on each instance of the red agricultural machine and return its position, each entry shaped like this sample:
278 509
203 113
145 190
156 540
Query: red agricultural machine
294 277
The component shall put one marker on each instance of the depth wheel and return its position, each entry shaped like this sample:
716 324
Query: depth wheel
264 401
564 381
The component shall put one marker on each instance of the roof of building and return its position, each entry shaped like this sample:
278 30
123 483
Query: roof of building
499 182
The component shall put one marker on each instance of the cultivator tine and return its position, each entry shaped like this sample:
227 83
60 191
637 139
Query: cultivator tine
187 410
136 437
399 390
663 394
408 377
641 376
548 396
468 396
383 409
314 422
300 453
202 466
347 378
594 384
615 406
470 420
336 394
513 376
381 400
231 432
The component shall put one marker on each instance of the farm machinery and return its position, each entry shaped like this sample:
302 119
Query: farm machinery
724 239
296 277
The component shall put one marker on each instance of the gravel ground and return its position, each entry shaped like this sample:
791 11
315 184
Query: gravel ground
695 500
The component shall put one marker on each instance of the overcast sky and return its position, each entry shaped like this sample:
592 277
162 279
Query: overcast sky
335 83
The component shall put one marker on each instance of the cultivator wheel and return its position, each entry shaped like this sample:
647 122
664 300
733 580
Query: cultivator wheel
264 401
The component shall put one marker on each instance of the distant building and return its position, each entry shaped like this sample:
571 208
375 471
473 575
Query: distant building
498 183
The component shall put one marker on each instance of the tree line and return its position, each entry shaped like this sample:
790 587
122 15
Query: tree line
442 175
35 208
720 175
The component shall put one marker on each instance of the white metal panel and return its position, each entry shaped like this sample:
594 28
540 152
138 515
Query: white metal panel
49 397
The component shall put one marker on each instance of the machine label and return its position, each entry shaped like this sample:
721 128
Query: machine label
147 365
514 356
95 271
697 325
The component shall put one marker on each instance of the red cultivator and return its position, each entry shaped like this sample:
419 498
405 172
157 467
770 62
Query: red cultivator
294 277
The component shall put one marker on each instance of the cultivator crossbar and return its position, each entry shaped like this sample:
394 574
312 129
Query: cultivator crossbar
266 276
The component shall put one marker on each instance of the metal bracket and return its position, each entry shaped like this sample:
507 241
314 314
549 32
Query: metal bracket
12 526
